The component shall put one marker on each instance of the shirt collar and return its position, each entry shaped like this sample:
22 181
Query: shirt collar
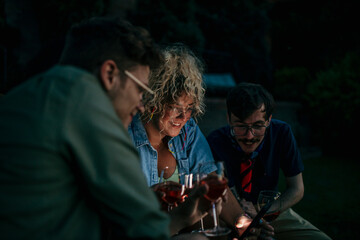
140 136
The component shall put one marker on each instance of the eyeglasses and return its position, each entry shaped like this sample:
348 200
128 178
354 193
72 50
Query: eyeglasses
135 79
241 130
176 111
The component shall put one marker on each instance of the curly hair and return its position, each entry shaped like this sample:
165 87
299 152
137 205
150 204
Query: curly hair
181 72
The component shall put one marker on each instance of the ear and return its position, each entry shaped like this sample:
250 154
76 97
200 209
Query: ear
270 118
108 74
228 118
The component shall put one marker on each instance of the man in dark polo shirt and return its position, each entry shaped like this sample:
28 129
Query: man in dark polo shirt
254 148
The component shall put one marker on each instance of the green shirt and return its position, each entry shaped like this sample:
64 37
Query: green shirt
67 163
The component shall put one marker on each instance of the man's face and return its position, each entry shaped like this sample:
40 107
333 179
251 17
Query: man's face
244 136
126 97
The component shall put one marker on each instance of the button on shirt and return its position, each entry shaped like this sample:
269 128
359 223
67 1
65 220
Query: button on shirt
189 148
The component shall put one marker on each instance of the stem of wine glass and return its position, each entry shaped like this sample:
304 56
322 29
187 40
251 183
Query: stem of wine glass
202 224
214 215
201 219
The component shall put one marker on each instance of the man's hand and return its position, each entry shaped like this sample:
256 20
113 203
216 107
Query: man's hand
264 231
248 207
189 212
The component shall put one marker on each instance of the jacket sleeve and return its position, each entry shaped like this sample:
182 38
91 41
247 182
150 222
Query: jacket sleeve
108 165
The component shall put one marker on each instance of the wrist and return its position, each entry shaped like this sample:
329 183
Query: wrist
177 221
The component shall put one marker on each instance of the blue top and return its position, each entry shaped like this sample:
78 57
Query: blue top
189 148
277 151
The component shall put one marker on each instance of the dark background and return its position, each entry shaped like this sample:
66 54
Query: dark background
302 51
305 52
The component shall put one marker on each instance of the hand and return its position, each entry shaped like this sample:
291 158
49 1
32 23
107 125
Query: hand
160 195
195 207
264 231
248 207
267 231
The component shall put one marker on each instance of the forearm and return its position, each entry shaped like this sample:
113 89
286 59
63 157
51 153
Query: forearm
231 210
289 198
293 193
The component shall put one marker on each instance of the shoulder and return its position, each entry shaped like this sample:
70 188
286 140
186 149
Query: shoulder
278 126
137 131
279 123
219 134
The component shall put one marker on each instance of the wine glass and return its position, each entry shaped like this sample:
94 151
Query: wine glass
267 196
217 184
171 187
197 179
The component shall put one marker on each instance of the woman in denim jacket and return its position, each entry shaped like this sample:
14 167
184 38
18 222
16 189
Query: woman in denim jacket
166 134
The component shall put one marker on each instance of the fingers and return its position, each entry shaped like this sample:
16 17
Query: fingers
226 195
252 237
267 231
265 237
199 191
265 226
196 198
254 234
248 207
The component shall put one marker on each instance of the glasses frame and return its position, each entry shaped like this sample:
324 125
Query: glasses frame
248 127
176 111
140 83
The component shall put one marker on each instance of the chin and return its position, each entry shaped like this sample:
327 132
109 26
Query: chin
248 148
126 122
173 133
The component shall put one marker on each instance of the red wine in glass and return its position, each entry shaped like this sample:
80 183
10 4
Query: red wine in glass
217 187
266 196
217 184
173 192
271 216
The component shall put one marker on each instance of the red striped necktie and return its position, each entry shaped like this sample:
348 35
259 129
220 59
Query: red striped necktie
246 174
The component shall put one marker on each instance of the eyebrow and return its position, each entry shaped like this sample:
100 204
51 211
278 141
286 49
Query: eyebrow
254 123
135 79
180 105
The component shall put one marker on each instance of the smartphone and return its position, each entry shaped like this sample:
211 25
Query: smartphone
256 221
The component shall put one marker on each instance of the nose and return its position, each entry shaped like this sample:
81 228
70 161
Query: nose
140 107
249 134
182 116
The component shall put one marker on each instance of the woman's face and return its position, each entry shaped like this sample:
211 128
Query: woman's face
176 115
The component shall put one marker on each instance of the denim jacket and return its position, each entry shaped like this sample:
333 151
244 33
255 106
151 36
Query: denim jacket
189 148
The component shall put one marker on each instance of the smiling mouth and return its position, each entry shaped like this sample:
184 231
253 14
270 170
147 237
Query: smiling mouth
176 124
248 142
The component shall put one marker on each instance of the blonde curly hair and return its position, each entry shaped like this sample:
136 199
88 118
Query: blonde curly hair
181 72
